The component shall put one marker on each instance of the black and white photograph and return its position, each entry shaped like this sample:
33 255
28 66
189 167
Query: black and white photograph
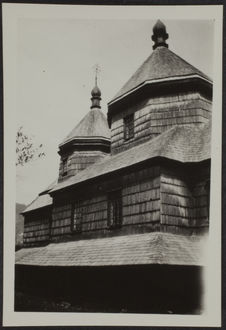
112 123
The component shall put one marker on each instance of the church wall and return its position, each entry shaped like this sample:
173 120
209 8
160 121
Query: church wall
37 228
157 114
61 219
140 191
94 213
78 161
201 193
184 199
140 201
158 197
141 197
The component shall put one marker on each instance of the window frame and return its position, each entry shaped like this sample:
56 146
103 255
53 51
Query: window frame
114 204
128 122
64 166
76 227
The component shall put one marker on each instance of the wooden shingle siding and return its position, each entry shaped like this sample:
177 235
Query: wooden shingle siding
141 197
36 229
94 213
140 203
78 161
156 115
61 220
201 203
183 203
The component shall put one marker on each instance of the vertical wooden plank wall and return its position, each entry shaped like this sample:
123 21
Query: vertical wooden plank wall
157 114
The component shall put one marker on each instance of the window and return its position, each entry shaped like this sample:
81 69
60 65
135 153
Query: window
64 167
114 209
77 217
129 127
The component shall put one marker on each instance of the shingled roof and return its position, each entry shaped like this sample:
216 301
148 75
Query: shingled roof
93 125
185 144
161 64
42 200
138 249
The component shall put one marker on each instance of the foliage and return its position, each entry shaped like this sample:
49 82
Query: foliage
25 148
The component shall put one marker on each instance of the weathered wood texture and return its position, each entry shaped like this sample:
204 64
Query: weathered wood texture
141 197
94 213
61 219
78 161
201 192
157 114
36 229
184 199
159 197
140 204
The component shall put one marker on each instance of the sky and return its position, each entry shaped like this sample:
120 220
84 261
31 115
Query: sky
54 75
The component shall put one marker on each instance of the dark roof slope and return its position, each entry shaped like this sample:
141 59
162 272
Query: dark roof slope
93 125
162 63
180 143
148 248
42 200
39 202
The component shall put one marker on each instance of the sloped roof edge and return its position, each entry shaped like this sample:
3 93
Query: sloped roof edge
184 144
39 202
42 200
93 125
162 63
138 249
85 138
154 81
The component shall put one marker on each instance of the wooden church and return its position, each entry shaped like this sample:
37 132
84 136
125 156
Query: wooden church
124 227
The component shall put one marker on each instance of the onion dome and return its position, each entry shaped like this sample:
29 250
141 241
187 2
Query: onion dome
96 94
96 91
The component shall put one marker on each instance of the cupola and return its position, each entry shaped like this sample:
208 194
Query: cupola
163 92
88 142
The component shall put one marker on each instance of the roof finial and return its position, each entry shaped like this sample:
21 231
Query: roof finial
159 35
97 71
96 93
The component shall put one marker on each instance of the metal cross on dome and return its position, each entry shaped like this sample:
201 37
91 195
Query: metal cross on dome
97 70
